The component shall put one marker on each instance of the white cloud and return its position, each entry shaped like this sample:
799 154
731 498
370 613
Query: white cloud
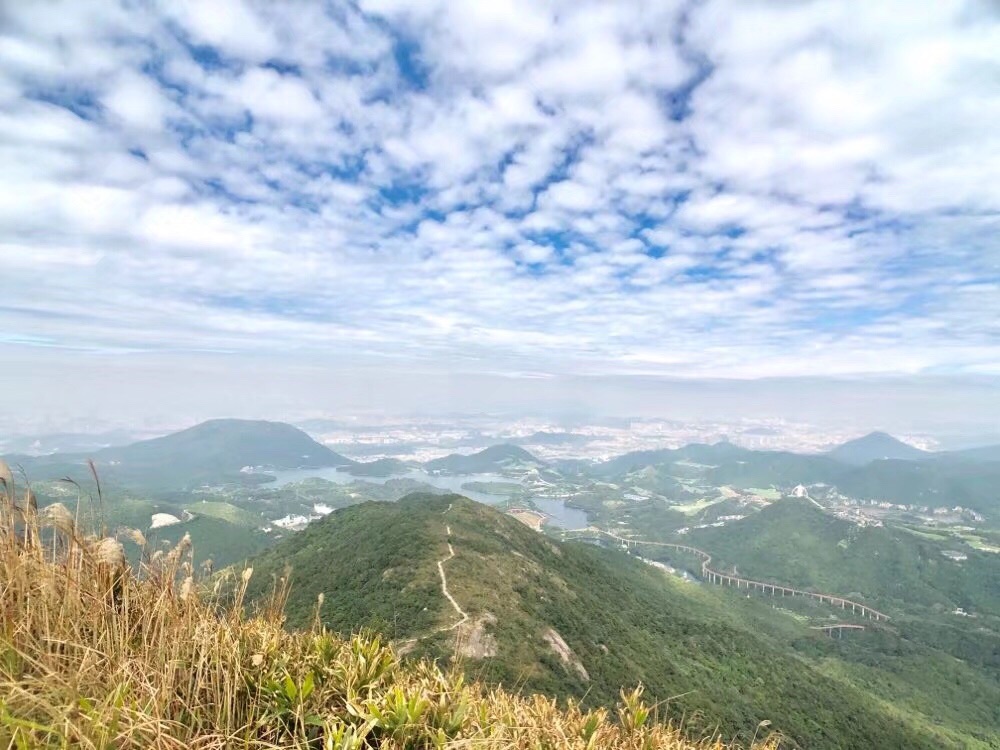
137 101
573 196
524 185
273 96
232 26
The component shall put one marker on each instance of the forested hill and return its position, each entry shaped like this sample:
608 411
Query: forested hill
494 458
208 453
563 619
795 542
876 446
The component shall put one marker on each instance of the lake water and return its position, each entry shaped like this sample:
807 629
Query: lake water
559 515
451 483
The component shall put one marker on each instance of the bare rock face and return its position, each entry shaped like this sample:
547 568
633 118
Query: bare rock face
472 639
565 653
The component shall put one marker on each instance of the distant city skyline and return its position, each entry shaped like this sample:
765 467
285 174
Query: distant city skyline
231 207
150 394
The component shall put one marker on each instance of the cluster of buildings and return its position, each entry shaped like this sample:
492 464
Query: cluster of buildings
717 524
856 517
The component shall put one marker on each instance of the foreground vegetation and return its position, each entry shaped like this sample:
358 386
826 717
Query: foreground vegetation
96 655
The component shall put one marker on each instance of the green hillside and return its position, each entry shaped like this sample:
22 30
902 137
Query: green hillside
934 481
698 453
794 542
565 619
224 511
876 446
383 467
494 458
212 452
214 539
929 659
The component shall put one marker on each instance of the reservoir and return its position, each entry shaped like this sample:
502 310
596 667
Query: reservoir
559 515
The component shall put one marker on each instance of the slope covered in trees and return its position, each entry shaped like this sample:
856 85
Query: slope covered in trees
570 620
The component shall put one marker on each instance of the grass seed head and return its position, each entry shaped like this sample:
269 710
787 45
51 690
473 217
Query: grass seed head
109 551
59 517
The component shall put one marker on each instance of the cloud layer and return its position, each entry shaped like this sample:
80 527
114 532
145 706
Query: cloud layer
680 189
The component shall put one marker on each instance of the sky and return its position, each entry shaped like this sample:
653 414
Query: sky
216 205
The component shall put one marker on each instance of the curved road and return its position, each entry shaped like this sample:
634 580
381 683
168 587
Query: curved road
725 579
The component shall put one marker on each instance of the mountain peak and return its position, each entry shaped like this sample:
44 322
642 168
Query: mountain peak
218 449
489 459
507 450
875 446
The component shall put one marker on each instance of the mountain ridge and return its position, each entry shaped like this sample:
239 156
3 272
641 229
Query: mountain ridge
539 618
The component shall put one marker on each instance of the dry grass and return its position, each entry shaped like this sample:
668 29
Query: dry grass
96 655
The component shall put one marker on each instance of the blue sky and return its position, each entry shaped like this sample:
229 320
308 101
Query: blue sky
663 189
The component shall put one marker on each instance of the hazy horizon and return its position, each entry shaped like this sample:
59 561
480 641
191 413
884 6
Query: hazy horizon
156 395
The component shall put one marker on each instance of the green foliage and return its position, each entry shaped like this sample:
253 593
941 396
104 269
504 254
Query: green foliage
383 467
796 543
366 571
224 512
97 655
214 539
623 620
490 459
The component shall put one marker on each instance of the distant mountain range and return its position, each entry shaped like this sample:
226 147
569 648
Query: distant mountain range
874 466
967 478
880 446
229 445
553 438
